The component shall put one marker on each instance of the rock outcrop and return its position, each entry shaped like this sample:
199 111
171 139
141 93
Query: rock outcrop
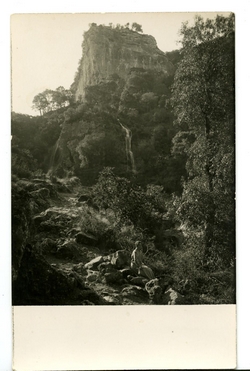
108 51
121 91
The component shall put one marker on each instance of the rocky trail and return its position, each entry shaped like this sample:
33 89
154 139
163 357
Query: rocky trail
63 265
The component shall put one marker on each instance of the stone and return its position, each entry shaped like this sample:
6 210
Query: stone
68 249
120 259
106 267
154 291
79 268
172 297
113 299
135 294
86 239
126 272
92 276
94 263
51 226
138 281
114 277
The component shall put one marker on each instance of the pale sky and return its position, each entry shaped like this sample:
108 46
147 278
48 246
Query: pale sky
46 48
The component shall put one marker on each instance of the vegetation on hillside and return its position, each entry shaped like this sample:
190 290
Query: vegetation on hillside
183 143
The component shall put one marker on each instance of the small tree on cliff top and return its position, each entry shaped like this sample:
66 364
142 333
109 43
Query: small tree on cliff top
136 27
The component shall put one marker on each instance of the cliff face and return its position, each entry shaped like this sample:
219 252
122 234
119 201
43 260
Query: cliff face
108 51
121 117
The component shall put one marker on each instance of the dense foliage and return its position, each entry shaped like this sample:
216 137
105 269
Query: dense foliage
50 100
203 101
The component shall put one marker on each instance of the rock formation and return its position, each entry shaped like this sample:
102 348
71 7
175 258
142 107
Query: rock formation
121 87
108 51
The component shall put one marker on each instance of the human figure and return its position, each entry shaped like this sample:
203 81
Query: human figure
137 262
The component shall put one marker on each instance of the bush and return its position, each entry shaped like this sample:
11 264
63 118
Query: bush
129 201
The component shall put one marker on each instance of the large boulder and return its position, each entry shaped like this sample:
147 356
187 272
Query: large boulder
94 263
120 259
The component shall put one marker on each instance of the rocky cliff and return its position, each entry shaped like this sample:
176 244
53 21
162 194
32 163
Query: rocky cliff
107 51
121 117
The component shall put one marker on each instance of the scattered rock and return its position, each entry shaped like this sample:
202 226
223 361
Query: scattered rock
138 281
79 268
39 283
120 259
127 272
172 297
114 277
92 276
113 299
135 294
106 267
93 264
51 227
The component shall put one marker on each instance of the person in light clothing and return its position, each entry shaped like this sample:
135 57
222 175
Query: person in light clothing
137 262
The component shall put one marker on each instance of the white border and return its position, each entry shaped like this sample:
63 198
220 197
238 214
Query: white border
241 8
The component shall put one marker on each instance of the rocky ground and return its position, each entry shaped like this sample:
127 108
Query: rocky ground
56 263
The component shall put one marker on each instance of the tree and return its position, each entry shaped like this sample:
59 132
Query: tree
50 100
203 101
205 30
136 27
40 103
129 202
62 97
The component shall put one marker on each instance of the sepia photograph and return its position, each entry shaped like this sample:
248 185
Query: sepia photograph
123 159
